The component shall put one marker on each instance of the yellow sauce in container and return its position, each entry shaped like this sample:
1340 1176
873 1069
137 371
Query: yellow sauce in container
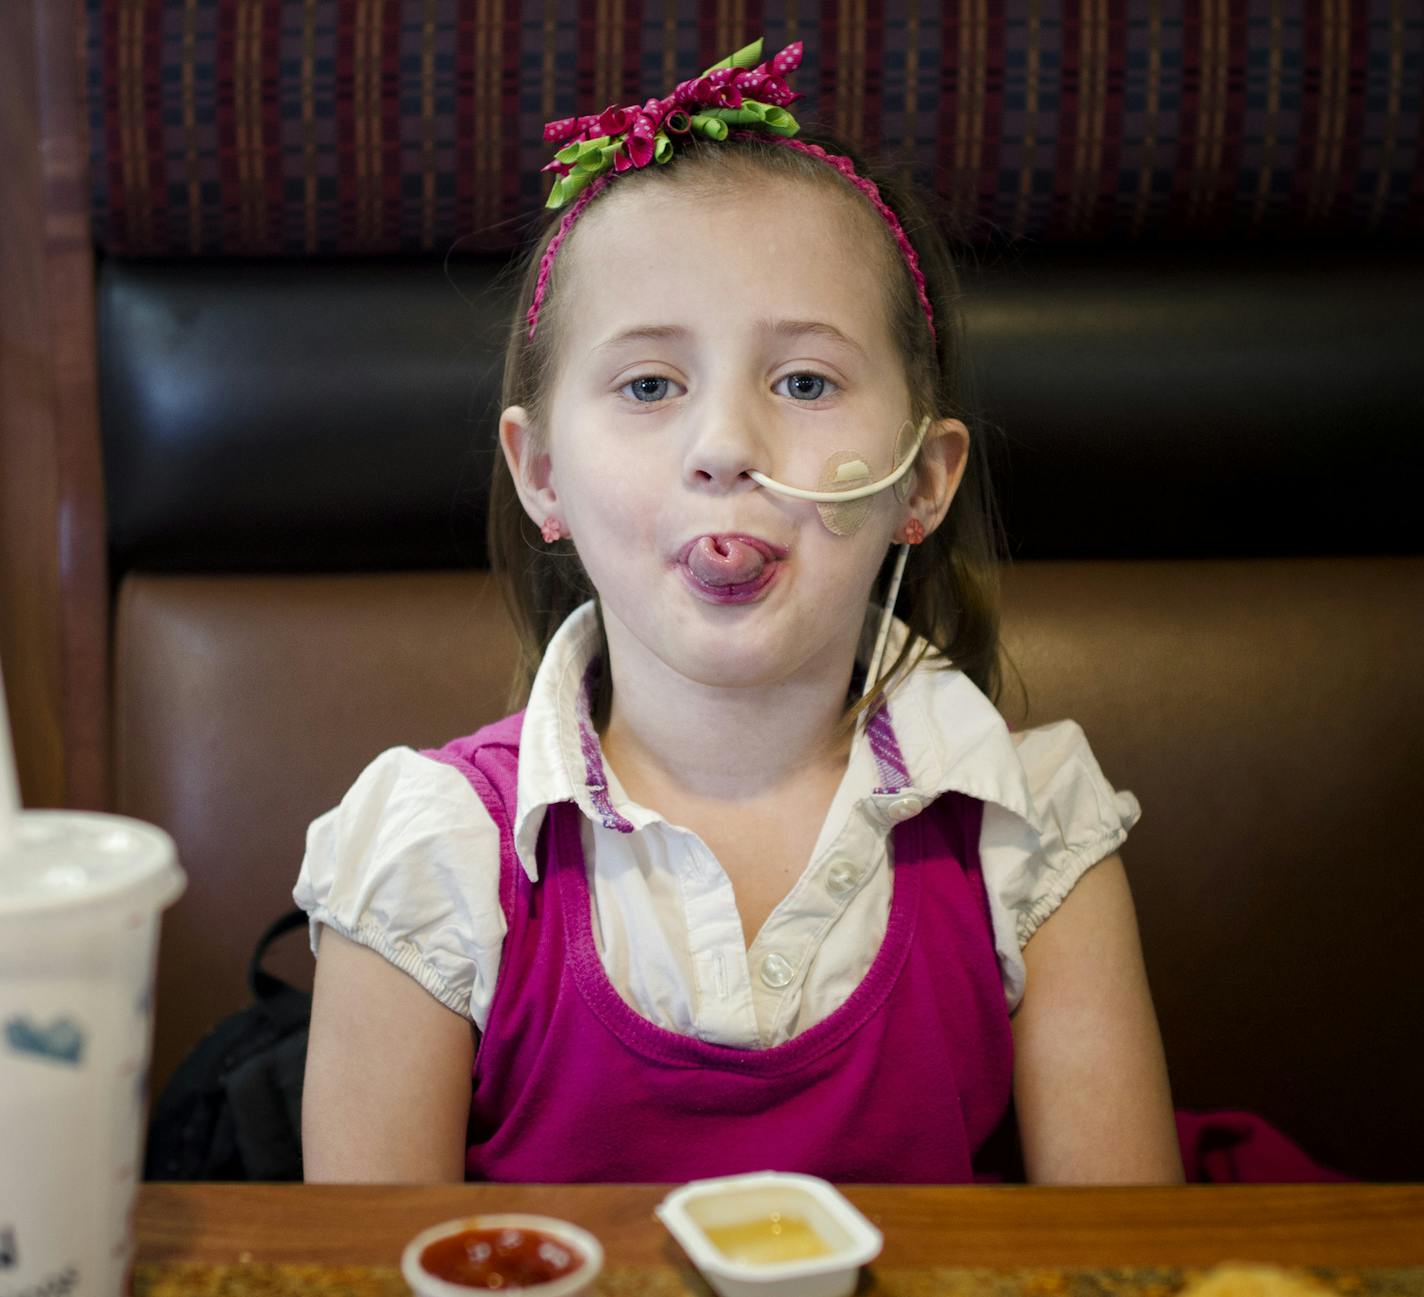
766 1240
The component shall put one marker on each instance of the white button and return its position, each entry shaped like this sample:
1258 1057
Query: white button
776 971
902 808
841 877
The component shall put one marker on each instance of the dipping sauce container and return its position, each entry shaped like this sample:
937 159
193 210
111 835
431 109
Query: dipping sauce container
771 1234
537 1256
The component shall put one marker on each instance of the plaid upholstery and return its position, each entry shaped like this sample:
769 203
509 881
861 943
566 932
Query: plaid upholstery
262 127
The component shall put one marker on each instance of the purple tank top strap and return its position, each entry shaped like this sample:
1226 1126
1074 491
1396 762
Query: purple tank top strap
489 760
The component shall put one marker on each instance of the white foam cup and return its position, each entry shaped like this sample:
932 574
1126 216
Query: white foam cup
80 900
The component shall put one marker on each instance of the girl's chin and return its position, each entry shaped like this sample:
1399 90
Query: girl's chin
765 641
741 659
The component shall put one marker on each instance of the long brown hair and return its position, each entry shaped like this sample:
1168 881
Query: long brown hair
950 594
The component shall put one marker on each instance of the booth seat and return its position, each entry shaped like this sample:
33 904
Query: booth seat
1194 334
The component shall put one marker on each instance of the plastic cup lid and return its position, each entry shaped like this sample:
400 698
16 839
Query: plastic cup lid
65 861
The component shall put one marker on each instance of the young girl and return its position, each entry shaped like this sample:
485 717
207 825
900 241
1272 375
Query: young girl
759 878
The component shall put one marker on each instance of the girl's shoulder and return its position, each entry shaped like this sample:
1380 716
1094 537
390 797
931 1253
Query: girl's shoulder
404 787
489 760
1081 819
412 842
1063 773
409 823
951 735
499 737
406 799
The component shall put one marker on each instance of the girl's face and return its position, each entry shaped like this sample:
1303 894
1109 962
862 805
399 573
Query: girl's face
707 336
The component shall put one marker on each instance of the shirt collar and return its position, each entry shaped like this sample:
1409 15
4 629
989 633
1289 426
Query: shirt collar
560 759
936 733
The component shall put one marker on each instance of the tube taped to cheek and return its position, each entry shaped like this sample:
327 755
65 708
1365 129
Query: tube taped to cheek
844 471
848 472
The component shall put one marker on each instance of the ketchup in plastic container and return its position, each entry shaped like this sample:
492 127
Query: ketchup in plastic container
495 1259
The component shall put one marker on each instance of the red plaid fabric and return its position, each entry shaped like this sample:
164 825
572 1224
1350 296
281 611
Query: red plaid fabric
341 127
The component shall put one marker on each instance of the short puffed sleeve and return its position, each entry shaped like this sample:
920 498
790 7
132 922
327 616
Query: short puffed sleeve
1028 873
408 864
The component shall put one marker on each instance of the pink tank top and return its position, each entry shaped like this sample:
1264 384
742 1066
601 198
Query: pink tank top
902 1083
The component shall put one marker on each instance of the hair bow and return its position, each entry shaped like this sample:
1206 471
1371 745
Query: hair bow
739 91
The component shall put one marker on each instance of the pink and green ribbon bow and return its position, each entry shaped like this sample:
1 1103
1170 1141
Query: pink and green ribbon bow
739 91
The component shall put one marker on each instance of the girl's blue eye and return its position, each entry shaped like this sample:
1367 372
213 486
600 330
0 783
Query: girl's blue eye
648 388
805 387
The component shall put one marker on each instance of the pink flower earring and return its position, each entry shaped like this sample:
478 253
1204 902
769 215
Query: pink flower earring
551 529
914 531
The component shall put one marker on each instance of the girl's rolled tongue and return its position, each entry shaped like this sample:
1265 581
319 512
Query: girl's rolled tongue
726 560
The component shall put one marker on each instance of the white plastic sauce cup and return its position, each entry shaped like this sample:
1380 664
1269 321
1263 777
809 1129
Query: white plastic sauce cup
850 1241
80 900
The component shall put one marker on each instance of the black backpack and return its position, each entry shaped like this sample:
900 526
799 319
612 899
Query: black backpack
233 1109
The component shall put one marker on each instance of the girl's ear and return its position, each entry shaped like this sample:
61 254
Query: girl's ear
528 458
937 474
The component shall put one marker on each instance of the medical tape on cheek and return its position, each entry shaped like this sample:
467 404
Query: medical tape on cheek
844 471
847 471
907 444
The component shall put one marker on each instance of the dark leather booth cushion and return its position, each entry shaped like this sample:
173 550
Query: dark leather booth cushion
332 416
1196 402
1207 401
1264 712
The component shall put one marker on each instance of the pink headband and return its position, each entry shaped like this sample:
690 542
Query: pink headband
621 139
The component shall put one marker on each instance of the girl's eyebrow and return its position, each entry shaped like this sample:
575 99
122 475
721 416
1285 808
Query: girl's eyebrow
816 328
775 328
643 333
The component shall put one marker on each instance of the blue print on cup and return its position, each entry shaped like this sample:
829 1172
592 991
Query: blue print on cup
61 1040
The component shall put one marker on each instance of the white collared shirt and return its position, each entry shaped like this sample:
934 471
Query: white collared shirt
408 863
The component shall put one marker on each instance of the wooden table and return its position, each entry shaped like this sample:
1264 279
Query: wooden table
290 1238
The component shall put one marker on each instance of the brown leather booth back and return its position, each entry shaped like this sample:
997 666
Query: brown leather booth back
244 706
1267 715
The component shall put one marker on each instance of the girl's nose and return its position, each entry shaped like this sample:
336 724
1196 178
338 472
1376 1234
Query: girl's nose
725 446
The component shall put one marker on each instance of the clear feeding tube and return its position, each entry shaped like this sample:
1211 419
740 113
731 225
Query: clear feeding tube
846 495
844 522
